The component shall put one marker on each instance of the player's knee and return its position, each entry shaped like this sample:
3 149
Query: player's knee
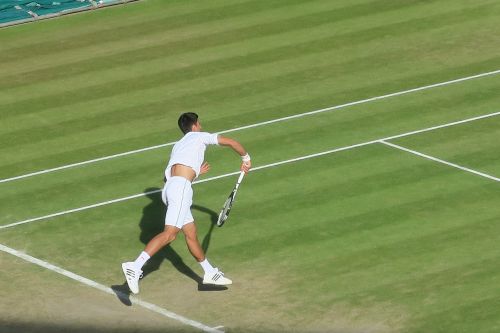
168 236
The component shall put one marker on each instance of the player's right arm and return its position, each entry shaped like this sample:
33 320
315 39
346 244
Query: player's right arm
238 148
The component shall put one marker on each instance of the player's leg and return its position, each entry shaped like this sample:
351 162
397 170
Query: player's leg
133 270
192 242
191 236
162 239
178 193
211 275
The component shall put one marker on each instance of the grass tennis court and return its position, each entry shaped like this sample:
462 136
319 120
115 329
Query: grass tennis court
378 213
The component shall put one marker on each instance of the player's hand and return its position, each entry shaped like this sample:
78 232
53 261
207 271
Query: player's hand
205 167
246 166
246 163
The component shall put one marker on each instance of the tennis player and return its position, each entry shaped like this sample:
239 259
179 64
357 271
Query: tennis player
185 165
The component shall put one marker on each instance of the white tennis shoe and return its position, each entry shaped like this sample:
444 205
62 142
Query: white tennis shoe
132 275
217 278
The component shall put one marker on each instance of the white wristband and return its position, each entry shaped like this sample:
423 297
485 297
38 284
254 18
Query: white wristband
245 158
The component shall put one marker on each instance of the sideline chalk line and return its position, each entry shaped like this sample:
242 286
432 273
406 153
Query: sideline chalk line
382 140
435 85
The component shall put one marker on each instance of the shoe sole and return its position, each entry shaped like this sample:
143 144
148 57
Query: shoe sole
217 284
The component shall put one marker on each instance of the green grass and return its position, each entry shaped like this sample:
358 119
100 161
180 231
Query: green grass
369 239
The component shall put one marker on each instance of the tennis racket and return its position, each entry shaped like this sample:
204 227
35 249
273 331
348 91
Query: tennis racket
224 213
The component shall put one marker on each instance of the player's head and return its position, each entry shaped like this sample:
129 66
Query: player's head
186 121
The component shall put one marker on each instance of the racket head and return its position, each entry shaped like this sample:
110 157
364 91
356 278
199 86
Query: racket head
224 213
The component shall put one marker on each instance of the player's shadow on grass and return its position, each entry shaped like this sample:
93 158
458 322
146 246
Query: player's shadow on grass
151 224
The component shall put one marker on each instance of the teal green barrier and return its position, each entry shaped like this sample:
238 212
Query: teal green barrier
19 11
45 7
9 12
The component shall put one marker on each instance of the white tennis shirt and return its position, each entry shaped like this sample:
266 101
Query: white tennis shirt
190 151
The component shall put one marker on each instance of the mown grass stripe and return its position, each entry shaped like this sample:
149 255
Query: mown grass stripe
271 165
262 123
125 30
267 122
170 71
60 100
94 139
129 114
126 56
153 49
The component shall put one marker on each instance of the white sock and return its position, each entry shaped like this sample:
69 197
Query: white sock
206 266
141 260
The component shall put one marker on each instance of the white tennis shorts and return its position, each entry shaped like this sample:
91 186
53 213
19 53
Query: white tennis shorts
177 194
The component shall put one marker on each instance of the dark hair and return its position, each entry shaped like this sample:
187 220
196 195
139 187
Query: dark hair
186 121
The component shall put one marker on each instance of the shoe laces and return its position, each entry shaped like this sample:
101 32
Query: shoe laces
133 273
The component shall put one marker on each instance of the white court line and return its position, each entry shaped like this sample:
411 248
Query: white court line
258 124
440 161
98 286
106 203
488 115
258 168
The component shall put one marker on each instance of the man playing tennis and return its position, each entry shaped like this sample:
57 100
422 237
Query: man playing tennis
186 164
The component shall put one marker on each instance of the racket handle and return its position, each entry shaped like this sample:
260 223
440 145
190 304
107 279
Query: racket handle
242 174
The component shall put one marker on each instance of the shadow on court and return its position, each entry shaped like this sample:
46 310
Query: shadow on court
22 326
151 224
